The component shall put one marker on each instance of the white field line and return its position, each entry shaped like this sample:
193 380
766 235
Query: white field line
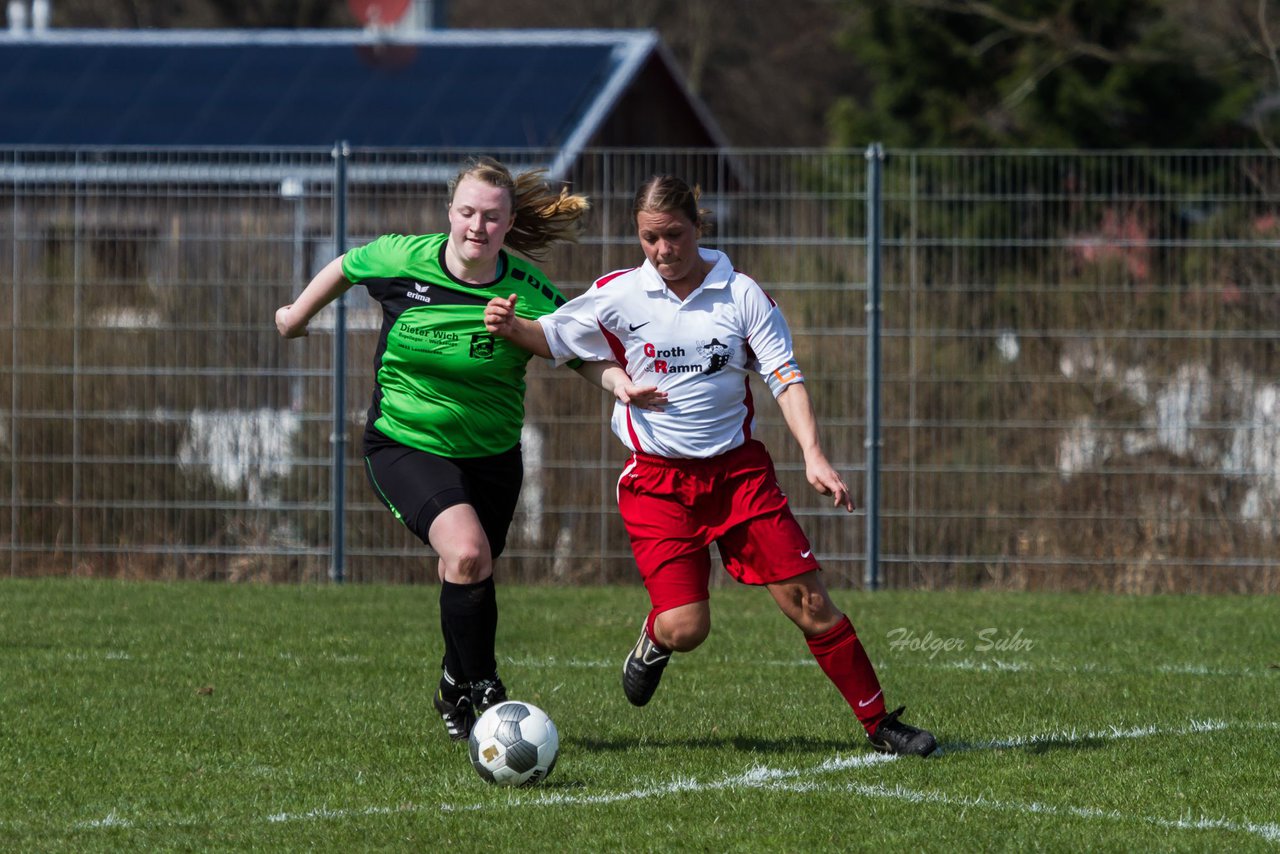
998 665
762 777
109 820
983 665
749 778
1269 832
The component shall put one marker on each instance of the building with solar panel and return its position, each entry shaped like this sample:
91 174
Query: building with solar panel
487 89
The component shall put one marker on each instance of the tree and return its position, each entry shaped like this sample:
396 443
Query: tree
1042 73
1244 36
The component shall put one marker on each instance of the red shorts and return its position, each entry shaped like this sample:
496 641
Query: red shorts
674 509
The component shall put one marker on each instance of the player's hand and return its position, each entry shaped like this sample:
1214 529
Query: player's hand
645 397
827 481
500 316
285 328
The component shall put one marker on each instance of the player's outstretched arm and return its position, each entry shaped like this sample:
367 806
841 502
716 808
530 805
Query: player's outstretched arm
500 319
328 285
797 411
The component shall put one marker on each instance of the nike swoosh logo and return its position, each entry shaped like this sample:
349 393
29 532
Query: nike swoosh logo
862 705
633 327
806 552
647 658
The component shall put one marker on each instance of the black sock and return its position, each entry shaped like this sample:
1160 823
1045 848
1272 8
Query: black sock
451 688
469 616
450 663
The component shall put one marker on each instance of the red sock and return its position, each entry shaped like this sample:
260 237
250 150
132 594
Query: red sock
649 628
842 658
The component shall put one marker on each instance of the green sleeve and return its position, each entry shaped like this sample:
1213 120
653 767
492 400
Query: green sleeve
388 256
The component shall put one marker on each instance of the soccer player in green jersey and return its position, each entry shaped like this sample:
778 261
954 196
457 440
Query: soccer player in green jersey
442 440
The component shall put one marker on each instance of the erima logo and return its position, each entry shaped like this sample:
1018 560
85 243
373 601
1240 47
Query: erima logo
420 290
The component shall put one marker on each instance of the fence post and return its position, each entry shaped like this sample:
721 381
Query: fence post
875 213
337 523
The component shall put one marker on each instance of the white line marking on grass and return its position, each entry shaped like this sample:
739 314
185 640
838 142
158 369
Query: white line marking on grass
560 662
1269 832
793 779
992 664
788 779
326 813
997 665
985 665
760 776
610 664
1074 736
1202 670
109 820
757 775
754 777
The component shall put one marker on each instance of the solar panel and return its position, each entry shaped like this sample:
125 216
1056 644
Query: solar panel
258 93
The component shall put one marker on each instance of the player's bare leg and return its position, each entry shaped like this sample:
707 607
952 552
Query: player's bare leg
679 629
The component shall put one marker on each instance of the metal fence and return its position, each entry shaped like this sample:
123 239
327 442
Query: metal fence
1068 378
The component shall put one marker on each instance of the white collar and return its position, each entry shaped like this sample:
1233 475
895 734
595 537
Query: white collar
718 277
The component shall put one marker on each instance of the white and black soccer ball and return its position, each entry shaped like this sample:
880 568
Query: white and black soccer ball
514 744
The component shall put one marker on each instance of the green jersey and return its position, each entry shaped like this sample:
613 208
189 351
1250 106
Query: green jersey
443 383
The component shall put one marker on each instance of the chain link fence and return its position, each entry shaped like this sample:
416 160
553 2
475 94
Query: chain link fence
1078 385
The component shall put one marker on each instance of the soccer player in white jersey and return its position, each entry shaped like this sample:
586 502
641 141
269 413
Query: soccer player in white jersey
690 325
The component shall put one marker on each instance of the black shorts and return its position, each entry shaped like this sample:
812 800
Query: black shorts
417 486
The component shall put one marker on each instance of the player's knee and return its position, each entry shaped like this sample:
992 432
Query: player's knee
685 635
819 607
687 638
813 611
466 564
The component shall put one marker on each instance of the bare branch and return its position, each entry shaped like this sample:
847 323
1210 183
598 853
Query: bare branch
1269 44
986 10
1057 32
995 38
1031 81
1267 41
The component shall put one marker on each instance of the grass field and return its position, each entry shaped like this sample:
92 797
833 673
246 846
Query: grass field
138 716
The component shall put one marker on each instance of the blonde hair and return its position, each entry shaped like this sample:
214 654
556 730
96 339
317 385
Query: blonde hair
667 194
543 217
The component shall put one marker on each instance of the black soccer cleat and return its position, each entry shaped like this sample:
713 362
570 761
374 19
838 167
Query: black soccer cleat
458 716
643 669
893 736
486 693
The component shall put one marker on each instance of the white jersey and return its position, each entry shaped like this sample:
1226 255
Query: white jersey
699 351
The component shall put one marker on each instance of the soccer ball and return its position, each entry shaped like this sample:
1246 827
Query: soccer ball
514 744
